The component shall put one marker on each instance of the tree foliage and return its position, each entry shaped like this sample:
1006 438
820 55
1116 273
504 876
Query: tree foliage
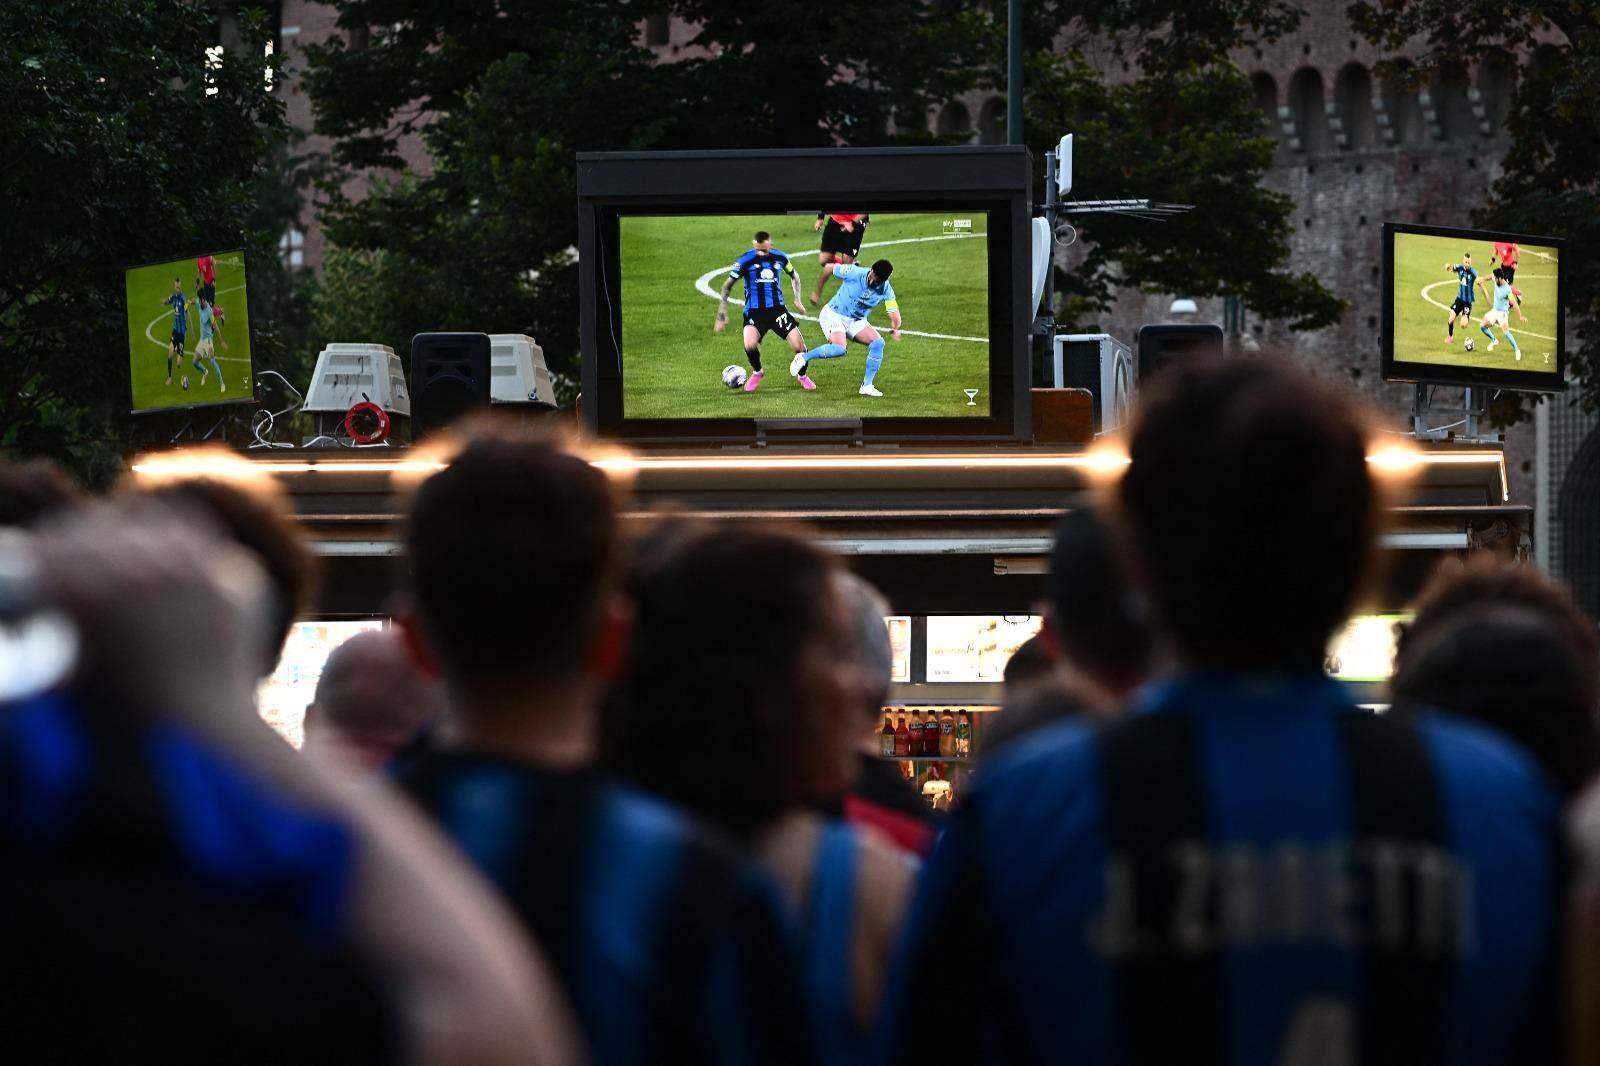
122 148
1549 181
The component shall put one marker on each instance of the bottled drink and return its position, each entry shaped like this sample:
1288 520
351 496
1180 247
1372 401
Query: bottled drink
915 727
930 733
902 738
947 734
963 736
886 737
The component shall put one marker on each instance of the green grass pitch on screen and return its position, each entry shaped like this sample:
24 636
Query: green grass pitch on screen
1425 289
150 326
672 362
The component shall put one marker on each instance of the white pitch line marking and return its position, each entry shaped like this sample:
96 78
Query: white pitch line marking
703 282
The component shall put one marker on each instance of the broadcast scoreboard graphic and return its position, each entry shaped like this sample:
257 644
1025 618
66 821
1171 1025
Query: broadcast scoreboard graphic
673 270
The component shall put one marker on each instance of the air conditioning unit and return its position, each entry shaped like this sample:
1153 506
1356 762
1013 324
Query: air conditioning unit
348 374
1103 365
517 372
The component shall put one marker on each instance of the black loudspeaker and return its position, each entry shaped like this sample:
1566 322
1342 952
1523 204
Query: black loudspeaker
449 377
1160 346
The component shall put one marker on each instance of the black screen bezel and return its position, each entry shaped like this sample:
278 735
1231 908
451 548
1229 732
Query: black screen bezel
1551 381
988 180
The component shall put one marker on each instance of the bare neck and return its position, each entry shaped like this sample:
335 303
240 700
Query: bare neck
556 728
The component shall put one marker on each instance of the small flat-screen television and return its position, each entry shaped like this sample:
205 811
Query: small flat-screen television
868 292
189 333
1473 307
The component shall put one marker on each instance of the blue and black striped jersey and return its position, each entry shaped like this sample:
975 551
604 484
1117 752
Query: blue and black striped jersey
1243 874
1468 278
670 947
763 277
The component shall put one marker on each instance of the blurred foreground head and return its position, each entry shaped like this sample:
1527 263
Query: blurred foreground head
32 490
1502 644
1251 512
1094 621
866 609
514 560
249 508
370 700
740 701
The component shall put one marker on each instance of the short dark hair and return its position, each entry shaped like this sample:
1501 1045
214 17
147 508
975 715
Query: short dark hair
1097 621
255 516
883 268
710 716
1459 586
32 489
762 235
1520 670
511 548
1250 510
1029 663
1466 255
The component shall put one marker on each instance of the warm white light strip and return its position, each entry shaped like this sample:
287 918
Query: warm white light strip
179 465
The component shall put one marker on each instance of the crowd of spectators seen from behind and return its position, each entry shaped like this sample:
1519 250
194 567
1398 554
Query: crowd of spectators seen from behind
371 701
1176 885
1500 643
879 796
754 723
669 944
169 860
1094 648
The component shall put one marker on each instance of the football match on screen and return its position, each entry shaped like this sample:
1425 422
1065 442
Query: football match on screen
189 332
805 315
1475 303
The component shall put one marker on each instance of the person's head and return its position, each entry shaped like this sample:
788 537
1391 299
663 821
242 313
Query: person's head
513 555
1093 620
762 241
879 273
1466 258
1032 662
252 511
370 699
1250 512
869 636
204 303
1500 275
177 284
735 704
33 489
1517 668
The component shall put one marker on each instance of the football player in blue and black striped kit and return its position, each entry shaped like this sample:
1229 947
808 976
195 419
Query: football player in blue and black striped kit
1461 309
762 270
1245 868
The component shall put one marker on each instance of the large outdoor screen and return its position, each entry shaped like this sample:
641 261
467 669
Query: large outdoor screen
1473 307
189 332
809 313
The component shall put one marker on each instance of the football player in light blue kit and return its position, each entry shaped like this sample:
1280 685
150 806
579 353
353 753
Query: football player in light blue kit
1504 297
209 324
845 316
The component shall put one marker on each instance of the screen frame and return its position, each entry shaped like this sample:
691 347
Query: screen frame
242 399
992 179
1546 381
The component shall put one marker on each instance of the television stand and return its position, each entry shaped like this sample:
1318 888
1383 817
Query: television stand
780 431
1471 409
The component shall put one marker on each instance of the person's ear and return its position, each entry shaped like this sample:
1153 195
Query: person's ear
1050 638
613 638
416 642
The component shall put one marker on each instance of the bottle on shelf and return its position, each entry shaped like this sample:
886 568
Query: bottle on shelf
916 749
886 737
902 738
963 736
947 734
930 734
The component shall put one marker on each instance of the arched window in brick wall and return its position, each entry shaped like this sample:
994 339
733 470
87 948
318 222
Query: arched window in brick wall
954 118
1265 89
1401 121
1497 81
1353 95
1308 105
992 121
1450 114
